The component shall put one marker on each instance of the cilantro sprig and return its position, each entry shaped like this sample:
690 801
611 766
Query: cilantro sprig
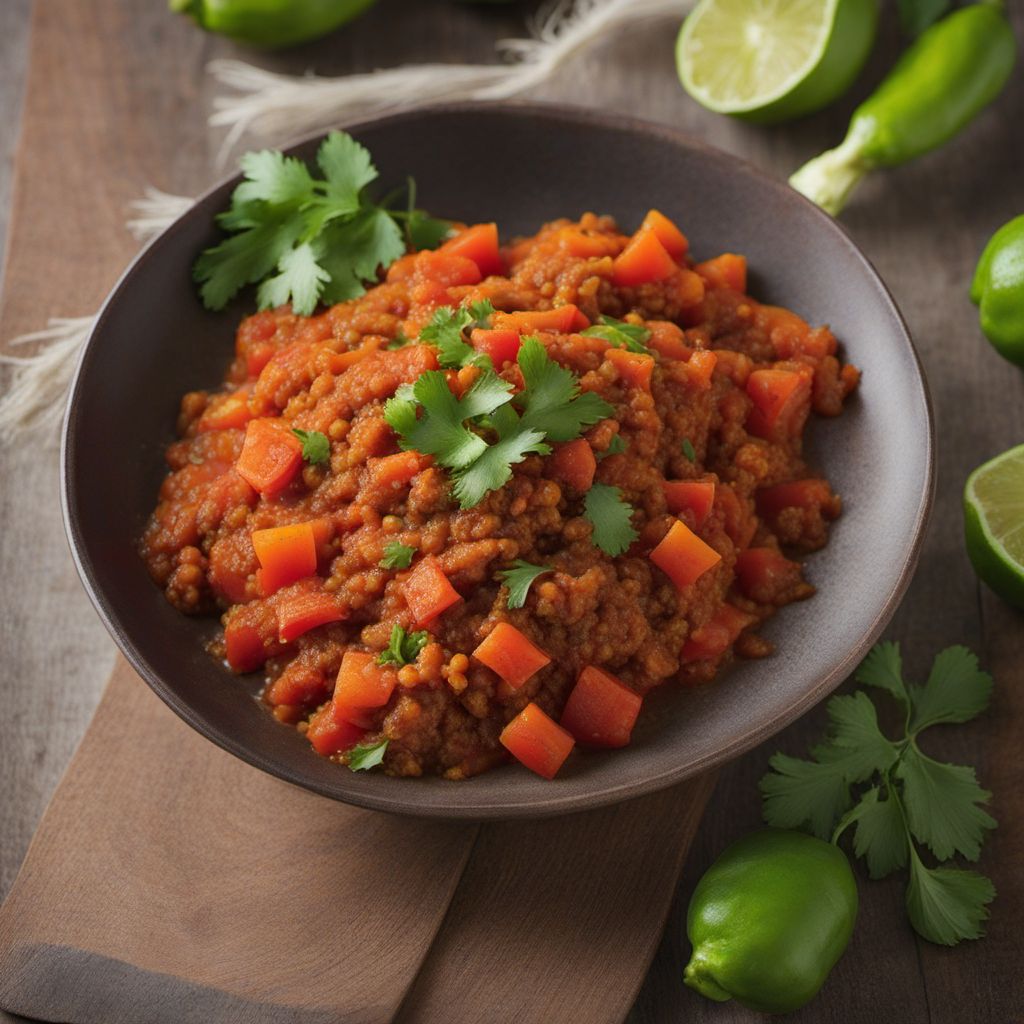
894 796
316 449
612 518
403 647
446 331
397 555
620 334
519 579
365 756
306 239
480 436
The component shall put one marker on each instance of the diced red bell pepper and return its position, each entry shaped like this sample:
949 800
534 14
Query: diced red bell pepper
683 556
226 412
428 591
643 260
537 742
271 456
715 637
501 345
634 368
601 711
299 613
762 573
668 234
511 655
694 496
782 401
574 464
285 554
726 271
480 244
362 683
562 320
331 734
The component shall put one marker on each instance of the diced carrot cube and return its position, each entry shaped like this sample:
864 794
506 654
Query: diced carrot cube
285 554
447 269
668 234
299 613
501 345
271 456
561 320
694 496
782 402
683 556
226 412
643 260
428 591
330 734
536 741
634 368
601 711
510 655
715 637
480 244
700 367
362 683
726 271
574 464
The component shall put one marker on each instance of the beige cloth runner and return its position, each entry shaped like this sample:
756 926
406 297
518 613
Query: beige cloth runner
170 882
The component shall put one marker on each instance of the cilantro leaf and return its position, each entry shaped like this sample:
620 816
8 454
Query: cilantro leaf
551 401
798 792
956 690
519 579
611 518
481 313
942 805
880 836
445 332
855 730
883 668
620 334
946 905
316 449
616 446
688 449
396 555
323 237
425 232
365 756
493 468
403 647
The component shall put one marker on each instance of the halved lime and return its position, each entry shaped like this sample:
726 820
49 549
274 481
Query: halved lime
771 60
994 524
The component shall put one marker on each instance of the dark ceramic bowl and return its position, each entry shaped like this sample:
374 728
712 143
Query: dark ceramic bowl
153 341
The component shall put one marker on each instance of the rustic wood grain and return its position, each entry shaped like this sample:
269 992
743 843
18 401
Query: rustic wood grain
132 119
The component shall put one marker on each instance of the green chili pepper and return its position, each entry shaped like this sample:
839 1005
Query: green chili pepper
944 80
769 920
998 289
271 23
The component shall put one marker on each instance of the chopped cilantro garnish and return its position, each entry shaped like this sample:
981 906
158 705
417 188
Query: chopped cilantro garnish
688 450
367 755
616 446
403 647
481 312
447 329
396 555
611 517
620 334
430 419
894 795
519 578
306 239
316 449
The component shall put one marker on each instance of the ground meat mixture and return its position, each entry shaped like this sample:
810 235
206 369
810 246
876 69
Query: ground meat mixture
709 411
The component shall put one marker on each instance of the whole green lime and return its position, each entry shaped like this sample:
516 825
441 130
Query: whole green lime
773 60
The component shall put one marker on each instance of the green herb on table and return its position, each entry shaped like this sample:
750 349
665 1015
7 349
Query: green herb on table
396 555
612 519
620 334
519 579
316 449
302 238
688 450
428 418
403 648
365 756
900 798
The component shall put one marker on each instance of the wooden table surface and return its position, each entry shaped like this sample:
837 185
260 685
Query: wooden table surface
922 226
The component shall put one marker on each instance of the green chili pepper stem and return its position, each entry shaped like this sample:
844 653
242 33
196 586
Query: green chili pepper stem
829 179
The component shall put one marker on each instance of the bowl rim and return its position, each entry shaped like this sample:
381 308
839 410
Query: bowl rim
557 803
